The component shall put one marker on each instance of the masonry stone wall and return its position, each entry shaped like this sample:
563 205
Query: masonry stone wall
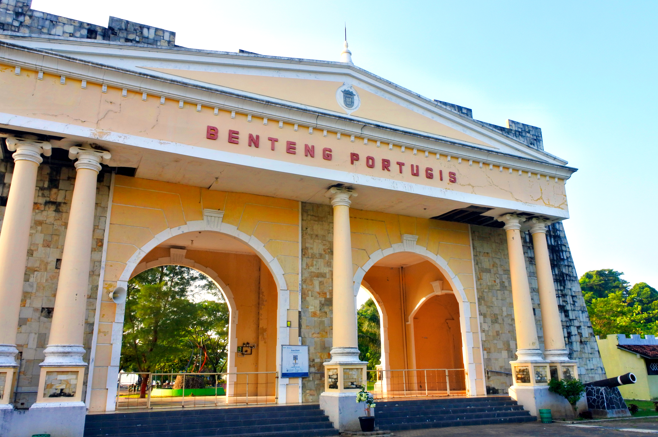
47 233
316 311
497 312
18 16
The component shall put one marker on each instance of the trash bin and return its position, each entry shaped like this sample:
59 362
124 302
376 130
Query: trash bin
545 416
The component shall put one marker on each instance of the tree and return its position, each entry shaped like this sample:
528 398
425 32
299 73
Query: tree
600 283
616 308
165 329
369 334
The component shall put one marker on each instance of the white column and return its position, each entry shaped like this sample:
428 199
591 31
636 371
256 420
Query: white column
554 346
65 347
527 341
345 373
345 335
14 240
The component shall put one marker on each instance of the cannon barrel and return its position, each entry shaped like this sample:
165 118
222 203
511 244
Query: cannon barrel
625 379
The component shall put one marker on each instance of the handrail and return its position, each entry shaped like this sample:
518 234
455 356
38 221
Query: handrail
234 385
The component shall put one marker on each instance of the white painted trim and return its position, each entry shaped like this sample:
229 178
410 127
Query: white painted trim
477 309
458 290
99 298
200 225
383 318
280 166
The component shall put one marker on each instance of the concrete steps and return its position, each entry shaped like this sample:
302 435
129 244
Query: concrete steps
438 413
274 421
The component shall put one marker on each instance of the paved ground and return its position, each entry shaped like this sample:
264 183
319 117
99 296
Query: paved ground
634 428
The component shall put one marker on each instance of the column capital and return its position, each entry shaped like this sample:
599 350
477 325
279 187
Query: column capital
89 158
538 225
340 196
512 221
26 149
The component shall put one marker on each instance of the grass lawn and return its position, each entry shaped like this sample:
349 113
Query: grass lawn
647 408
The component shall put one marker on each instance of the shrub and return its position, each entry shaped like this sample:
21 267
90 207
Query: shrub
571 390
633 408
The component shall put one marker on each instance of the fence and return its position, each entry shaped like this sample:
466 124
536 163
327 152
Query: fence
411 383
195 390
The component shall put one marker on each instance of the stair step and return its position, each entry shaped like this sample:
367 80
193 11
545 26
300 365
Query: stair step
297 421
385 421
282 429
120 429
442 411
469 422
209 418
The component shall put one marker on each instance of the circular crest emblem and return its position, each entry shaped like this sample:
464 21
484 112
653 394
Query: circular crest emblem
347 98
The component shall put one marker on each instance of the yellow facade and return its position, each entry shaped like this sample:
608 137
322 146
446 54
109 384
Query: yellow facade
619 362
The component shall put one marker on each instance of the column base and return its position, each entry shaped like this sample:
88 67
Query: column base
7 379
343 410
555 355
58 420
534 398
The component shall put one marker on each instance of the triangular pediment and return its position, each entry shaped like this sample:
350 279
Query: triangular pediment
325 94
333 88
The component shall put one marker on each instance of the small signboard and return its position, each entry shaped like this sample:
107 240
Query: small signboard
294 361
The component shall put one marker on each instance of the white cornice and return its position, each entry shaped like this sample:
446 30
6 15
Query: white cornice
55 63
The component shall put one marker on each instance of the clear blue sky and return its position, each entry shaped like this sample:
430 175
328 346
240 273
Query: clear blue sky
583 71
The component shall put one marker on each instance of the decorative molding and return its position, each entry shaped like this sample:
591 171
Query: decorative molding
28 149
63 355
409 241
213 218
89 158
177 255
340 196
437 286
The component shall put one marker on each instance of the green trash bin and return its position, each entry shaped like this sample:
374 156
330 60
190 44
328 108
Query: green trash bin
545 416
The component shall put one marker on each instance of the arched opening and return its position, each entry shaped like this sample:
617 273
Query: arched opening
251 294
423 333
176 322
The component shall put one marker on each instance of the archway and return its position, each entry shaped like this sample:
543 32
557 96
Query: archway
402 283
252 295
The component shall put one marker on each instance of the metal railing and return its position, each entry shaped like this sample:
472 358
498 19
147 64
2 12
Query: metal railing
195 390
414 383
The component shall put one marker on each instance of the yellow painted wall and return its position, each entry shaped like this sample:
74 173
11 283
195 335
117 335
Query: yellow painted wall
142 209
322 94
437 337
618 362
48 100
374 231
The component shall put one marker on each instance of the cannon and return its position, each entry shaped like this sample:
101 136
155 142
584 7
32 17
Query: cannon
625 379
604 398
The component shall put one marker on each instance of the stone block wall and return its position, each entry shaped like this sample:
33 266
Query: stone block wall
316 311
18 16
497 311
48 230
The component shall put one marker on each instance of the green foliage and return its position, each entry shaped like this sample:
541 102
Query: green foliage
571 390
600 283
369 335
170 327
616 308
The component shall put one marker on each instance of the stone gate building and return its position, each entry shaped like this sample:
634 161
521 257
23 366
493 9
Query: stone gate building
291 183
